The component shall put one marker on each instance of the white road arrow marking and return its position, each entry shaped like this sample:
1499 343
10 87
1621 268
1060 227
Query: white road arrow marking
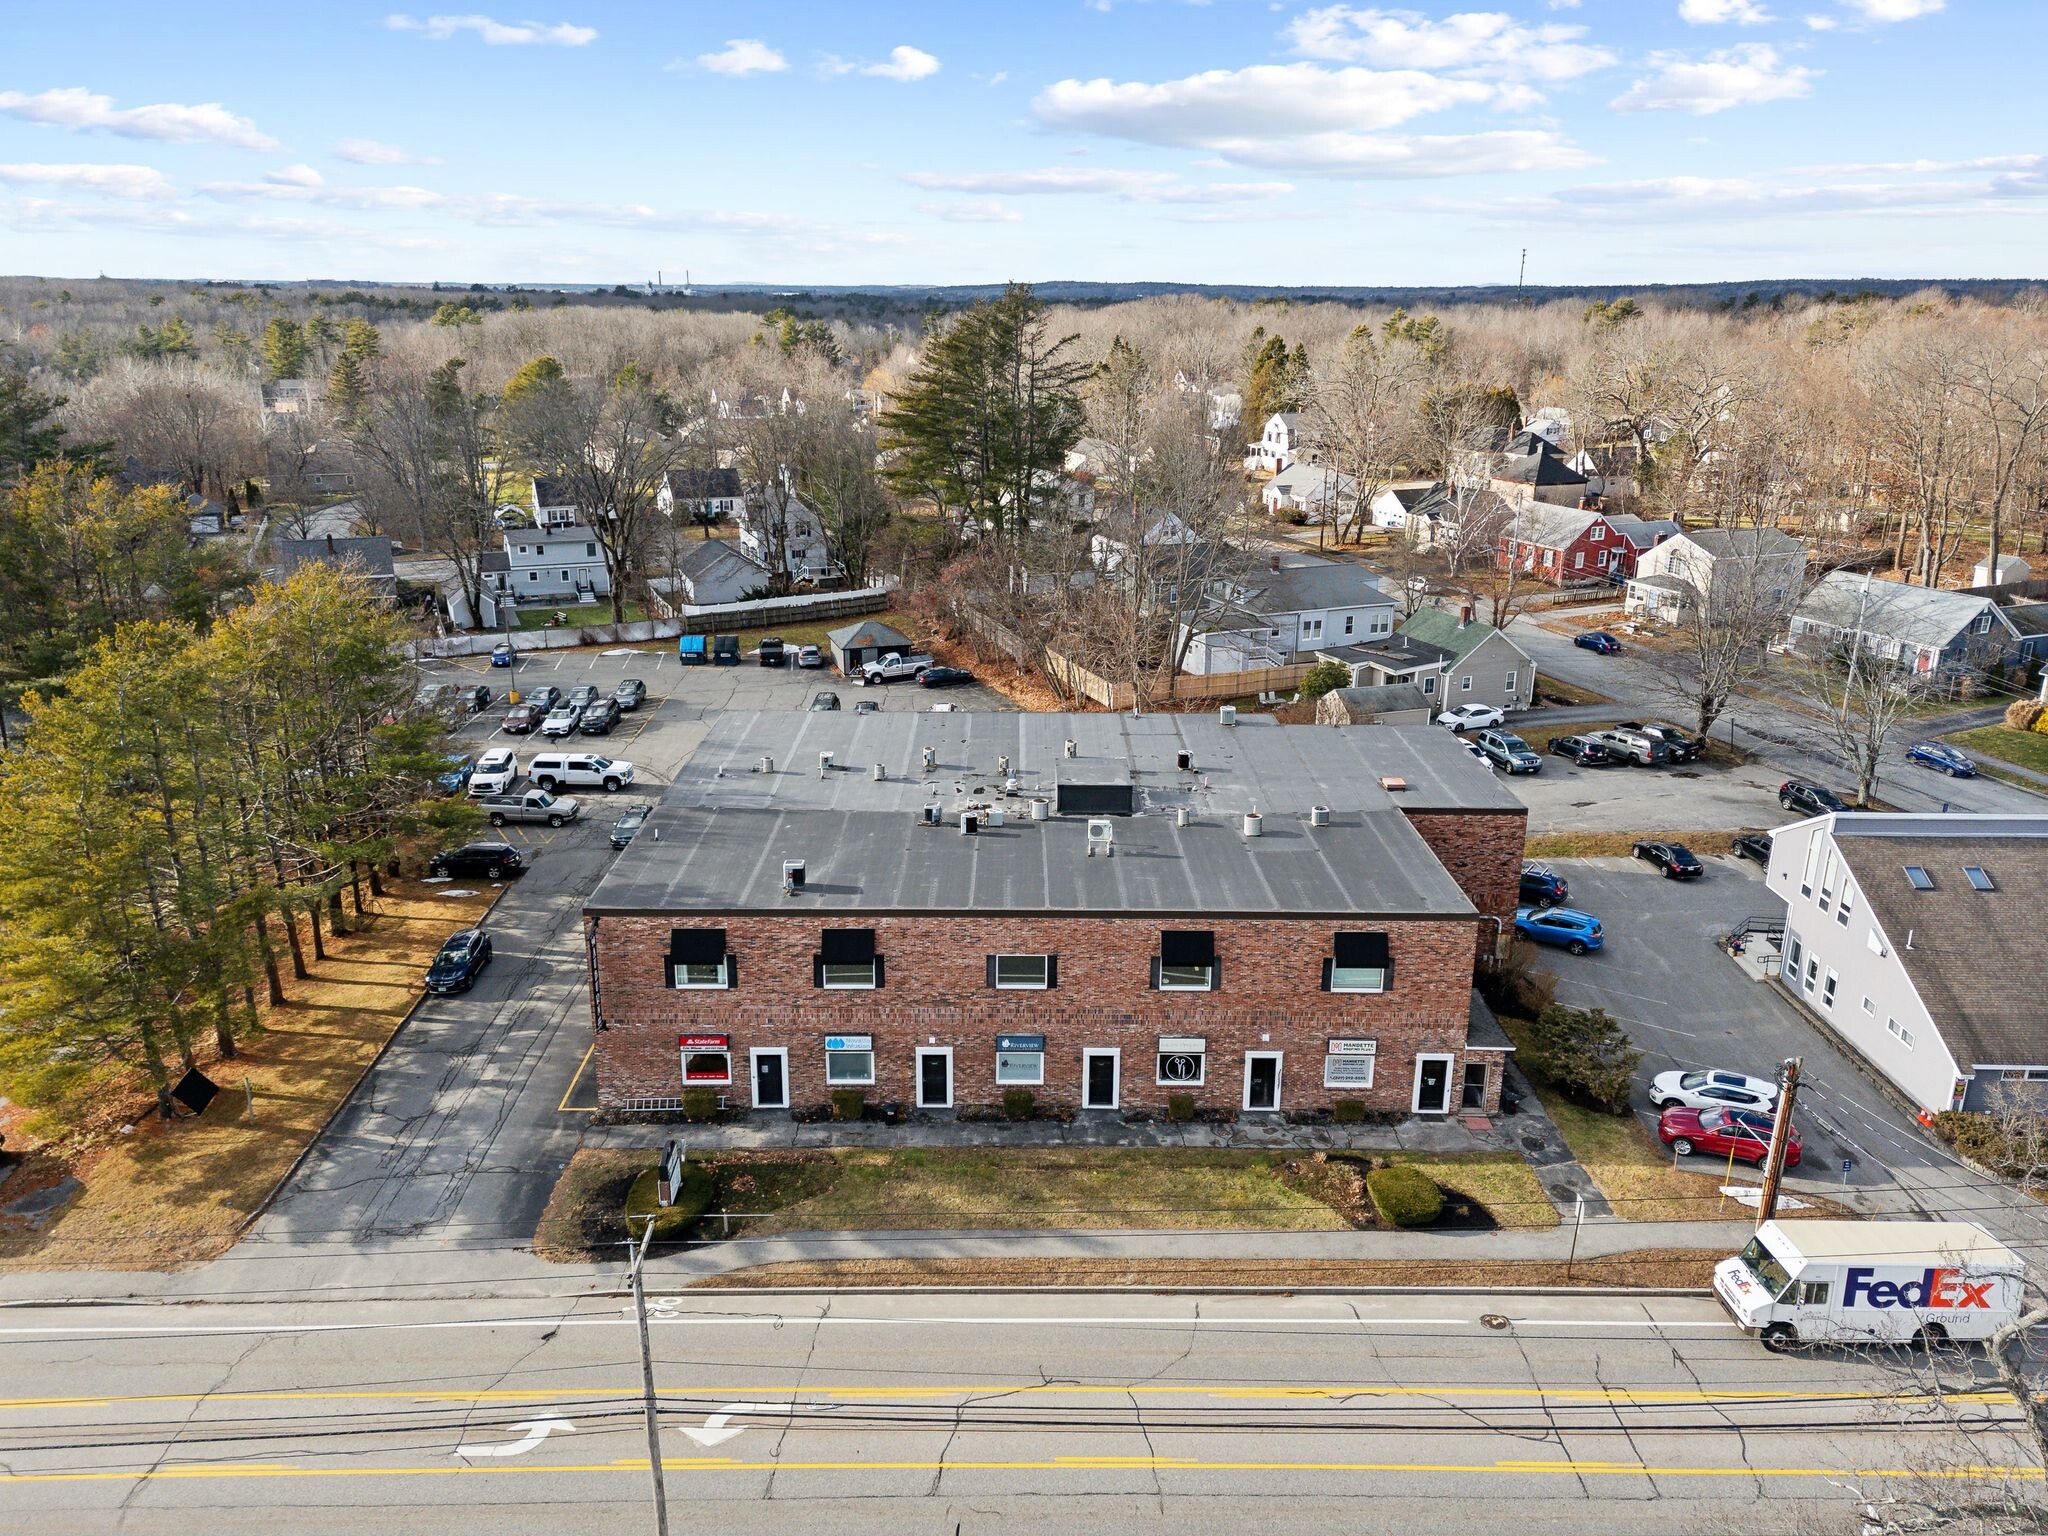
537 1430
719 1427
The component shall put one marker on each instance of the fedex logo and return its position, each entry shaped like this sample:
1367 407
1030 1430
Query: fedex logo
1937 1288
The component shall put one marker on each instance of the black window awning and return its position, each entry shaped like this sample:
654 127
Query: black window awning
1362 951
847 946
696 946
1187 946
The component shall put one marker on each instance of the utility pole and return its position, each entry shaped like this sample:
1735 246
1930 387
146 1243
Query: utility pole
647 1383
1781 1138
1521 276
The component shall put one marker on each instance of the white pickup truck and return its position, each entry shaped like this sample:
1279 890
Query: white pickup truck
529 805
893 669
1870 1282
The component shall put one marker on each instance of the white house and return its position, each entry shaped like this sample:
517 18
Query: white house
554 504
805 554
552 563
1917 939
1717 566
1401 507
702 495
1166 531
1325 494
1294 606
1280 443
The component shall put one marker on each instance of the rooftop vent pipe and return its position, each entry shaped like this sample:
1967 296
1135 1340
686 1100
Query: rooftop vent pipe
1180 816
1003 766
1253 824
1319 815
766 765
880 772
931 758
1041 808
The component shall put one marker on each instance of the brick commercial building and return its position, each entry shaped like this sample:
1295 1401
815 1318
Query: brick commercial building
1105 910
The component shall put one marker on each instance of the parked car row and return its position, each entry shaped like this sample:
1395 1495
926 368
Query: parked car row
1650 743
1720 1114
586 710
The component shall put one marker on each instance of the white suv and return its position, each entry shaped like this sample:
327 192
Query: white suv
893 669
578 770
561 720
496 771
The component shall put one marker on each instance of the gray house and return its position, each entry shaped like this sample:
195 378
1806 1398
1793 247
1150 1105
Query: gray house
854 646
369 557
1376 704
1482 665
1944 636
716 571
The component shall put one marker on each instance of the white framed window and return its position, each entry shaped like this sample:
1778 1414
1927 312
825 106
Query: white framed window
1349 620
1812 974
1827 991
848 1067
1465 683
1020 1068
1185 978
1848 901
1511 682
1182 1061
707 1061
713 977
1022 973
1868 1006
1357 978
1876 944
1899 1032
1812 863
1429 685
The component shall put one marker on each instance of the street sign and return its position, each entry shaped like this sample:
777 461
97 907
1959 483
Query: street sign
671 1173
1847 1164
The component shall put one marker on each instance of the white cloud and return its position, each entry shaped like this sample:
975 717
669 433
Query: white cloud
1734 77
974 211
126 181
1481 42
743 56
296 176
906 64
1894 10
1131 186
374 152
77 108
1708 13
1821 23
498 34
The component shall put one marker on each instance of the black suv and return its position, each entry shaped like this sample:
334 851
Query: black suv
1543 887
1810 799
630 694
492 860
1684 748
599 718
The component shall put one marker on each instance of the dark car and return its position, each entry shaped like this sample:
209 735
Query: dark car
866 707
1677 861
1543 887
1755 846
476 700
461 960
1683 748
773 652
1810 799
630 694
583 696
494 861
1584 751
543 698
1508 750
521 719
944 677
1943 758
824 700
1723 1133
1597 640
599 718
624 828
501 654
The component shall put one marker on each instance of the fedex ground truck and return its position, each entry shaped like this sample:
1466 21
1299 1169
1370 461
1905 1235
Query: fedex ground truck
1871 1282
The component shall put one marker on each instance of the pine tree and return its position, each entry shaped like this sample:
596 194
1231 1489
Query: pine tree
284 349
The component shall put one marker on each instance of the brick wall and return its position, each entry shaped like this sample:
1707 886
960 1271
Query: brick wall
936 993
1483 852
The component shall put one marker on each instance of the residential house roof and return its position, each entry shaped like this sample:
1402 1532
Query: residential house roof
1643 533
866 633
1544 468
725 828
1312 482
1441 627
550 492
1975 955
695 484
1398 654
1308 586
2028 618
1921 616
371 554
1743 543
717 571
1361 706
1549 527
569 533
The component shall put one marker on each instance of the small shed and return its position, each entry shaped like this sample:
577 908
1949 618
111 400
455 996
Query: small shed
2011 568
870 640
1379 704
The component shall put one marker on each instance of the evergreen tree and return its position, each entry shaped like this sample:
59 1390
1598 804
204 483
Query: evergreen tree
284 349
29 431
348 390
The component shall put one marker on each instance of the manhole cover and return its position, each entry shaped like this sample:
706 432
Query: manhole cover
1533 1143
1493 1320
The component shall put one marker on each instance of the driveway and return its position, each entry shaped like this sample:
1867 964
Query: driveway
1693 797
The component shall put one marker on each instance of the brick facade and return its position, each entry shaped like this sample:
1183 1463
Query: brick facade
935 993
1483 852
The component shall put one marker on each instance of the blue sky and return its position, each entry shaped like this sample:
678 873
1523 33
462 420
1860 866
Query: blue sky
895 141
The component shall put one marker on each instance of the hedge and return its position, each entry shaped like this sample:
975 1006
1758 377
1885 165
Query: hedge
1180 1107
700 1103
849 1103
1018 1103
1404 1196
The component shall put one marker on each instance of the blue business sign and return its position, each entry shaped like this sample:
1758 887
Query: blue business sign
1020 1042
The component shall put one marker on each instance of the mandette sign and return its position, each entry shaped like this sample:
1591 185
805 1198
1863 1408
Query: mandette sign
1939 1288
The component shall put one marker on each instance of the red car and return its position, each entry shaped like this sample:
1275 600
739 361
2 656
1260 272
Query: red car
1717 1132
521 719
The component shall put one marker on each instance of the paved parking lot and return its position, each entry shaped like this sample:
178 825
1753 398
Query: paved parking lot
1692 797
1687 1004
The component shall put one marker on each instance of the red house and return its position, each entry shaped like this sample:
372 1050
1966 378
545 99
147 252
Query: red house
1565 545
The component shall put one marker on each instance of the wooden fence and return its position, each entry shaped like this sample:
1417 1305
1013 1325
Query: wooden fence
1071 677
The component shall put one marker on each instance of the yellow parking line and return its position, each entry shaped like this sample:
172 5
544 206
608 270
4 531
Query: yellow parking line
570 1092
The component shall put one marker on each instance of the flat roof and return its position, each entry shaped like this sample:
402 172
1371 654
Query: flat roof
725 827
1878 1242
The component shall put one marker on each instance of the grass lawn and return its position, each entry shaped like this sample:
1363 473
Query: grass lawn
541 616
1634 1172
1619 845
170 1193
1654 1267
1571 693
2029 749
1500 1181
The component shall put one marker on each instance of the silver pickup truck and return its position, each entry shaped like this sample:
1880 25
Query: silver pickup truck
529 805
1632 746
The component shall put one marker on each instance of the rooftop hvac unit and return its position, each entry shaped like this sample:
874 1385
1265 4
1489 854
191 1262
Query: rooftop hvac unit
930 815
1227 715
1003 765
993 815
879 772
1319 815
1072 748
1102 837
1184 761
1253 824
824 764
792 875
930 757
1041 808
970 823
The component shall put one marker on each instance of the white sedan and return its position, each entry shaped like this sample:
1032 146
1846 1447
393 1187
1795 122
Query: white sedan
1468 716
1712 1090
496 771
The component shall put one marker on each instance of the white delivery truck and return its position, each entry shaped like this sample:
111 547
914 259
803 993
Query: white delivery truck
1871 1282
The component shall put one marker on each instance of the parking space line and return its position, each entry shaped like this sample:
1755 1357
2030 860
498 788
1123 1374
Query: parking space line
564 1108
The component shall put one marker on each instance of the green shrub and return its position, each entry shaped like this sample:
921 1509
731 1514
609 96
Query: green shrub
700 1103
1180 1107
1584 1053
1018 1103
1348 1111
849 1103
1324 676
1404 1196
693 1197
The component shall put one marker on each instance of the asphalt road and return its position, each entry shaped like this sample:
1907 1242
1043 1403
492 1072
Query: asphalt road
965 1412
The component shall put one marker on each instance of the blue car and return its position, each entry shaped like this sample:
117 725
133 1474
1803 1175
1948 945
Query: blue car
1940 755
1566 927
456 778
1597 640
461 960
501 654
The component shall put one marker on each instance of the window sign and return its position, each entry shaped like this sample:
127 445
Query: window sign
1182 1060
850 1060
1349 1063
706 1058
1020 1060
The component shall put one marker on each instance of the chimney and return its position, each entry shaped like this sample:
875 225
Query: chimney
1465 613
330 543
1275 563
